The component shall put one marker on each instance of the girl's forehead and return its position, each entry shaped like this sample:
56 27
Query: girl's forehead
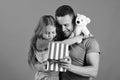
50 27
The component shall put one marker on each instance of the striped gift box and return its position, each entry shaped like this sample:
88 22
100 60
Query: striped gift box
57 51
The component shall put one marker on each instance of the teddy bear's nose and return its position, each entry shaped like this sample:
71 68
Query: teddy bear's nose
78 22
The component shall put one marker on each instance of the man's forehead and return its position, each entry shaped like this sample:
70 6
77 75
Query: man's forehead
65 19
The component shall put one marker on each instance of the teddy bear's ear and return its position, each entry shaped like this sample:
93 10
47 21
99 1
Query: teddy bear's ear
88 20
78 14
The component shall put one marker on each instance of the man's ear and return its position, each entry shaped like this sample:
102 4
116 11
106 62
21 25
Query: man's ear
74 20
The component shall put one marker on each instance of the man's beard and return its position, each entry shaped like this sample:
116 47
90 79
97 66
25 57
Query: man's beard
66 35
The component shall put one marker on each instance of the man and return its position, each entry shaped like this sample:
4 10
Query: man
84 57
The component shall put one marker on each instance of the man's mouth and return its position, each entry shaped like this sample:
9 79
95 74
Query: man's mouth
66 32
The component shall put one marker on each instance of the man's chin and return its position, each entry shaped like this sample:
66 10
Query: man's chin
66 35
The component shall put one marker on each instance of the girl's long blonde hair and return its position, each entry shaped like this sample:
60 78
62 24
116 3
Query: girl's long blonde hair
43 22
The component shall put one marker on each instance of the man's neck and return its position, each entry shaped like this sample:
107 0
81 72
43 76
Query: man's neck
71 35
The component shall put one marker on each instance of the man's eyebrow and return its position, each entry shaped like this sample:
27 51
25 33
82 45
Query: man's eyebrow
66 24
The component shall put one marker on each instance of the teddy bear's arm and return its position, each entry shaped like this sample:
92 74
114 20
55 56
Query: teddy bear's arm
85 31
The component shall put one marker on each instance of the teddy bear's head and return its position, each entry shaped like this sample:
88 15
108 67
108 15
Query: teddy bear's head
82 20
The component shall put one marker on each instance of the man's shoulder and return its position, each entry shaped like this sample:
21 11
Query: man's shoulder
89 40
90 43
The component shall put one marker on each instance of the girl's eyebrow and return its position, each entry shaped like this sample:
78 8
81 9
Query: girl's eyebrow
40 50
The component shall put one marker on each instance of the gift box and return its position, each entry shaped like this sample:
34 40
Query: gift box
57 51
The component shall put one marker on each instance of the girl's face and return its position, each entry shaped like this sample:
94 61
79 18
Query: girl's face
49 32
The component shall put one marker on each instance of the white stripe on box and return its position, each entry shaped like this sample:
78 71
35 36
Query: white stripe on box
52 55
66 53
61 55
52 51
62 49
57 51
56 55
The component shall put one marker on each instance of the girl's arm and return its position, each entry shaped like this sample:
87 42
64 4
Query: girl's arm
76 39
40 67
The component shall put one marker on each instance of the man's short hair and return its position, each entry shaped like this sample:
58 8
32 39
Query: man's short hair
65 10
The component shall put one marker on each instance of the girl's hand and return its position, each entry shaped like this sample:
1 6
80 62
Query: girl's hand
42 56
41 66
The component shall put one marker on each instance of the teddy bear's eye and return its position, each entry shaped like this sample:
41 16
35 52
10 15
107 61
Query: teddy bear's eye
78 22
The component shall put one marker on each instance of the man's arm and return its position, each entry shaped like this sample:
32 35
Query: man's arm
91 69
92 59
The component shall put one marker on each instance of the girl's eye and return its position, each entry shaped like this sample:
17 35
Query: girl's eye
47 32
46 49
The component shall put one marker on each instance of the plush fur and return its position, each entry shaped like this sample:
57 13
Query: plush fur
81 25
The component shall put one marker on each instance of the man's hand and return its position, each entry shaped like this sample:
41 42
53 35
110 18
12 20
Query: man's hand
66 63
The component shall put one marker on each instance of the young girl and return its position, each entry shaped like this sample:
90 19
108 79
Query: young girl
38 54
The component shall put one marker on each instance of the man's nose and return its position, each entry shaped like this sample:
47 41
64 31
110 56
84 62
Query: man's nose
63 28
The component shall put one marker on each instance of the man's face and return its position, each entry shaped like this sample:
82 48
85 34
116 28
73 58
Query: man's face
66 23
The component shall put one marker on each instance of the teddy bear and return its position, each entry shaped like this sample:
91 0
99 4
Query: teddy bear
81 25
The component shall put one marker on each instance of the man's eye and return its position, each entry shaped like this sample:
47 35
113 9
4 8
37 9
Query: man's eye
53 32
66 25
